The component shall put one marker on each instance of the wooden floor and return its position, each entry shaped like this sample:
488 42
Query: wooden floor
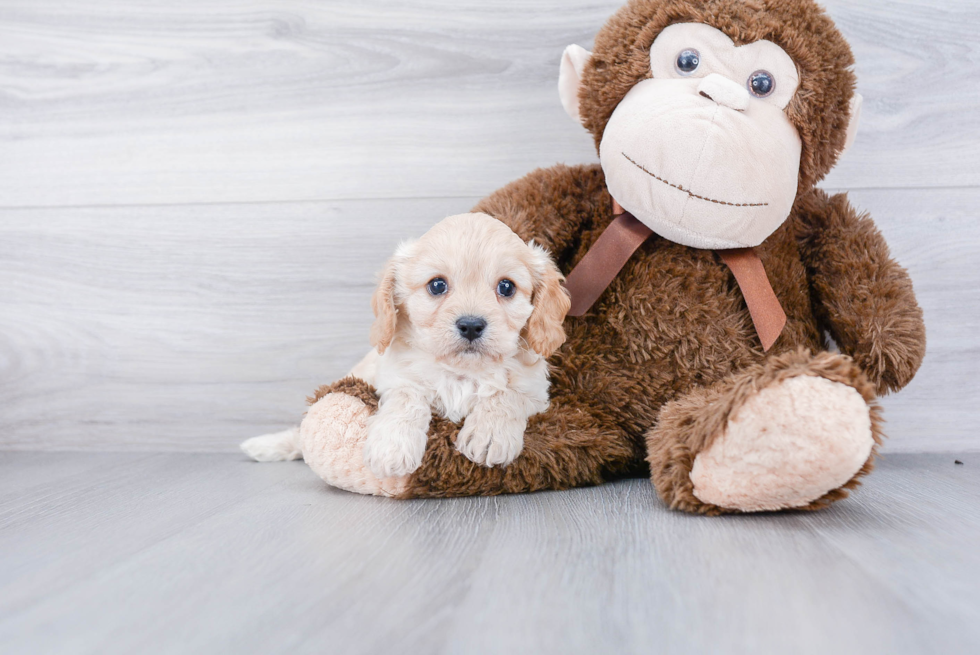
210 553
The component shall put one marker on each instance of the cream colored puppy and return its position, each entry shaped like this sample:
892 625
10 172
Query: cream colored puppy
466 316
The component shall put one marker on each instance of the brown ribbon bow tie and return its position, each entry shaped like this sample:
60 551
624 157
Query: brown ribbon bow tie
617 243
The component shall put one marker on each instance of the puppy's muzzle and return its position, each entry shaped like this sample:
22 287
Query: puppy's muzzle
471 327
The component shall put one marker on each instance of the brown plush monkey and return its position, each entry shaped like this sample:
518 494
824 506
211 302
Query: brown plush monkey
713 119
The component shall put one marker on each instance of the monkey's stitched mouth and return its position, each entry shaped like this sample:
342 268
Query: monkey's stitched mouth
691 193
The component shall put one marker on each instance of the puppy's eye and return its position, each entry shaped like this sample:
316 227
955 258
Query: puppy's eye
688 61
506 288
762 84
437 286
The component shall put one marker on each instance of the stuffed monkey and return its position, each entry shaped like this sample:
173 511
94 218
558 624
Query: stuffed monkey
705 270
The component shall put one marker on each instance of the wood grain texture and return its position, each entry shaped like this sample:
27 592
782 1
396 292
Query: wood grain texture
194 327
194 197
185 327
111 102
183 553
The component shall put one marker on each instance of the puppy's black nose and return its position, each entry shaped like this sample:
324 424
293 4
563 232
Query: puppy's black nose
471 327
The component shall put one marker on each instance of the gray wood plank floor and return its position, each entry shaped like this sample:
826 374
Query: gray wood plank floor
185 553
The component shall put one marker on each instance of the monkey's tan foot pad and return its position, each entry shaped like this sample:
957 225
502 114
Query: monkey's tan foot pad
787 446
332 435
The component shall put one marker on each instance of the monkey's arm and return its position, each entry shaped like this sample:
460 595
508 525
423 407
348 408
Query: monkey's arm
861 295
552 206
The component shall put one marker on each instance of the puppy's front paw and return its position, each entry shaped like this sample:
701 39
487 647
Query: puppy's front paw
393 450
491 442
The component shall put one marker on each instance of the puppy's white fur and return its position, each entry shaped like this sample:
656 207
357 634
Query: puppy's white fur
494 383
421 363
274 447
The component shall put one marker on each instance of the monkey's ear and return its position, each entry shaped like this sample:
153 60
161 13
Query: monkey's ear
570 78
852 126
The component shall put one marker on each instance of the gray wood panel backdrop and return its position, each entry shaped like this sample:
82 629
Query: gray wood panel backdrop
194 196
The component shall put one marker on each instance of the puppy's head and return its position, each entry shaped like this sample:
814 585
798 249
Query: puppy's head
470 288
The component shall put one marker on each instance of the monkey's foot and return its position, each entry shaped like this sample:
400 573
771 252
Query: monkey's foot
332 436
796 431
787 446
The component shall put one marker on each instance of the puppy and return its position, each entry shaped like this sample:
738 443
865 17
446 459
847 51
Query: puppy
465 317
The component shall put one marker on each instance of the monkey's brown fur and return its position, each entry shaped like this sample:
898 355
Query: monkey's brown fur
650 375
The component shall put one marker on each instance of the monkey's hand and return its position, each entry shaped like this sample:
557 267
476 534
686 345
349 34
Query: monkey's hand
864 298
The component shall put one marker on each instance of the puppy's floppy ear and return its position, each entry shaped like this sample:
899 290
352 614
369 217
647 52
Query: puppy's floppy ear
551 300
385 312
384 303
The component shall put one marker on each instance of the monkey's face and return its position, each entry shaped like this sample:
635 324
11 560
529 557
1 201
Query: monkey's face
701 149
702 152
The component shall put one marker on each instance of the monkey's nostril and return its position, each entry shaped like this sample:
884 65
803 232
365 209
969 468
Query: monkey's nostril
706 95
471 327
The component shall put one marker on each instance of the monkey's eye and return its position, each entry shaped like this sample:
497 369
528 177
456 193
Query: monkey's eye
762 84
688 61
437 286
506 288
